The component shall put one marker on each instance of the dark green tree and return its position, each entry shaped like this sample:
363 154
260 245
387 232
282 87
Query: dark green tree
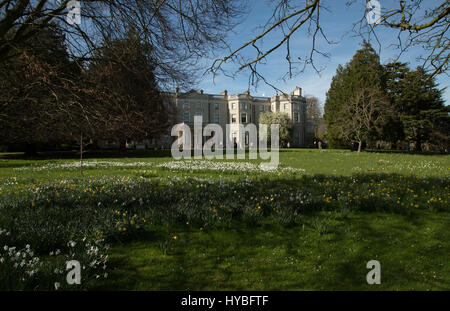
363 71
421 107
394 74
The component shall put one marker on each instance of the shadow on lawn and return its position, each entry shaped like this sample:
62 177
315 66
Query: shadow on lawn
403 249
257 258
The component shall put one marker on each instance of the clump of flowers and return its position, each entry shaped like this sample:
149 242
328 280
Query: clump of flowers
18 266
22 269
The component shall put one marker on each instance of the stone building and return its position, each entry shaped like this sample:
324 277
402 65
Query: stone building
226 109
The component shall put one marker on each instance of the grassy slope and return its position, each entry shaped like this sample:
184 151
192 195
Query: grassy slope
326 251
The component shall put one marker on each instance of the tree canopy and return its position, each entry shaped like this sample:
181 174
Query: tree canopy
403 104
283 120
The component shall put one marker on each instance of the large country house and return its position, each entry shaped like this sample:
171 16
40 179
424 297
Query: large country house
236 109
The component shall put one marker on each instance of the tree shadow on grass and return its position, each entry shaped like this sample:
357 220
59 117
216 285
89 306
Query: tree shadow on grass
243 258
398 247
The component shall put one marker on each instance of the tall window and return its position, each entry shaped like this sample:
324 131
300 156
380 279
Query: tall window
286 106
186 105
233 118
244 106
216 106
233 106
186 117
243 118
296 119
273 107
216 118
198 105
261 107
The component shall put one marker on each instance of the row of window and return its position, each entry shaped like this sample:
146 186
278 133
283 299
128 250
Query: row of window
244 106
243 118
198 105
187 117
216 117
286 106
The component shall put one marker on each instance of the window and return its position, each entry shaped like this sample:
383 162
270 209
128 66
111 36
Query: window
233 106
244 106
261 108
233 118
243 118
216 106
295 106
186 105
286 106
273 107
216 118
296 119
198 105
186 117
165 139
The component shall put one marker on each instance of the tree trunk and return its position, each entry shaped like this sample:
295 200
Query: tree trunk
123 146
393 146
418 146
81 150
359 146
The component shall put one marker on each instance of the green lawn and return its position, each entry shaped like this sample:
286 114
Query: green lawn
225 225
413 252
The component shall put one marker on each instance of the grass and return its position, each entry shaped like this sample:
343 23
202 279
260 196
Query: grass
312 225
313 161
412 252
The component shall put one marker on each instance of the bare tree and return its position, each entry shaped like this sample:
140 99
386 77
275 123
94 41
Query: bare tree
419 23
177 32
423 24
313 118
180 31
364 115
123 69
313 110
38 89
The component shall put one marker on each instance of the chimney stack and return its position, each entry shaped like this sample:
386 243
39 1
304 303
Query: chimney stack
298 91
224 93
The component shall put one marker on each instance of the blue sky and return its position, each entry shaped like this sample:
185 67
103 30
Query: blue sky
336 24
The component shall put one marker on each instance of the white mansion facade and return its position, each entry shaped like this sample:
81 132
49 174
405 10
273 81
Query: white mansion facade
226 109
